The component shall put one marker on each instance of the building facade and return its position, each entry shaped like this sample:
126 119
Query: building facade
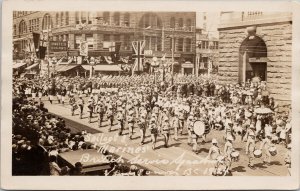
160 30
257 44
207 52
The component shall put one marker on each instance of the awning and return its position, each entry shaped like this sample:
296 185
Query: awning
32 66
64 68
104 68
18 65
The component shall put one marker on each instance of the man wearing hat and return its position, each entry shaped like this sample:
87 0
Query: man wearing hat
90 106
130 121
266 143
250 144
166 130
72 102
100 111
110 116
142 126
214 150
287 159
80 103
154 131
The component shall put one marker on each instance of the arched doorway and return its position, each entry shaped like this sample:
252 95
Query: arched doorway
252 59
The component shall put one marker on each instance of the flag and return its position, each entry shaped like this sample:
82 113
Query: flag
138 47
83 48
36 42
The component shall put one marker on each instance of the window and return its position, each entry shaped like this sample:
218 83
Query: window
148 43
206 45
106 18
170 42
77 17
78 38
22 27
172 23
56 19
15 29
117 38
180 23
127 19
90 40
33 25
47 22
216 45
30 25
83 17
180 44
89 18
189 24
61 18
188 45
67 18
127 43
158 43
106 37
117 18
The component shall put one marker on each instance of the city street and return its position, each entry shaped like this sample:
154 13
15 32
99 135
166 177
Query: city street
178 159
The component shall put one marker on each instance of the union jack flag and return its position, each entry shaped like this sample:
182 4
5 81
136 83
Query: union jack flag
138 47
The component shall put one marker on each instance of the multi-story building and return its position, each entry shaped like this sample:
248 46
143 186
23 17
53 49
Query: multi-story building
207 52
160 30
257 44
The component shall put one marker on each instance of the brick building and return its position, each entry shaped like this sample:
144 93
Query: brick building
101 29
257 44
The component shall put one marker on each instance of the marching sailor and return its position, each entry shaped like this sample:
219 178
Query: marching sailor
142 126
250 144
154 131
80 104
130 121
265 145
166 131
120 118
72 102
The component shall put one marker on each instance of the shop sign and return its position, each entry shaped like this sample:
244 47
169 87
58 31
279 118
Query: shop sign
187 65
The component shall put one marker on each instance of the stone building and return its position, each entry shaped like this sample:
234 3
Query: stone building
257 44
102 29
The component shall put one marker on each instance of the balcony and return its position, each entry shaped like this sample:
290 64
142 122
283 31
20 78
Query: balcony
236 19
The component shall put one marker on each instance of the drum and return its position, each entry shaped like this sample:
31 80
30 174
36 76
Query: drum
257 153
200 128
235 155
272 150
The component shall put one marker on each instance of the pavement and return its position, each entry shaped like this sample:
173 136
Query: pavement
177 159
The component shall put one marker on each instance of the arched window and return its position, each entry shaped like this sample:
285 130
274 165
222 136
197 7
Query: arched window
117 18
22 27
15 30
172 23
77 17
47 22
127 19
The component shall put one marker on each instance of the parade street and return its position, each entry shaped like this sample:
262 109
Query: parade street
177 159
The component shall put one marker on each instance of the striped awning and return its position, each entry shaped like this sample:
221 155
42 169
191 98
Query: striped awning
18 65
32 66
64 68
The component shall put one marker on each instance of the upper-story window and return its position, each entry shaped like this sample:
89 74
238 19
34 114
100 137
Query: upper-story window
106 17
61 18
47 22
188 45
77 20
22 27
180 44
15 30
150 20
117 18
83 17
127 19
56 19
180 23
172 23
189 24
67 18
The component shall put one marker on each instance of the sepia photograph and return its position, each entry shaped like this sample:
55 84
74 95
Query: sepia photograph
203 93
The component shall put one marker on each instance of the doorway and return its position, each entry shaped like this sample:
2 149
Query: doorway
252 59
